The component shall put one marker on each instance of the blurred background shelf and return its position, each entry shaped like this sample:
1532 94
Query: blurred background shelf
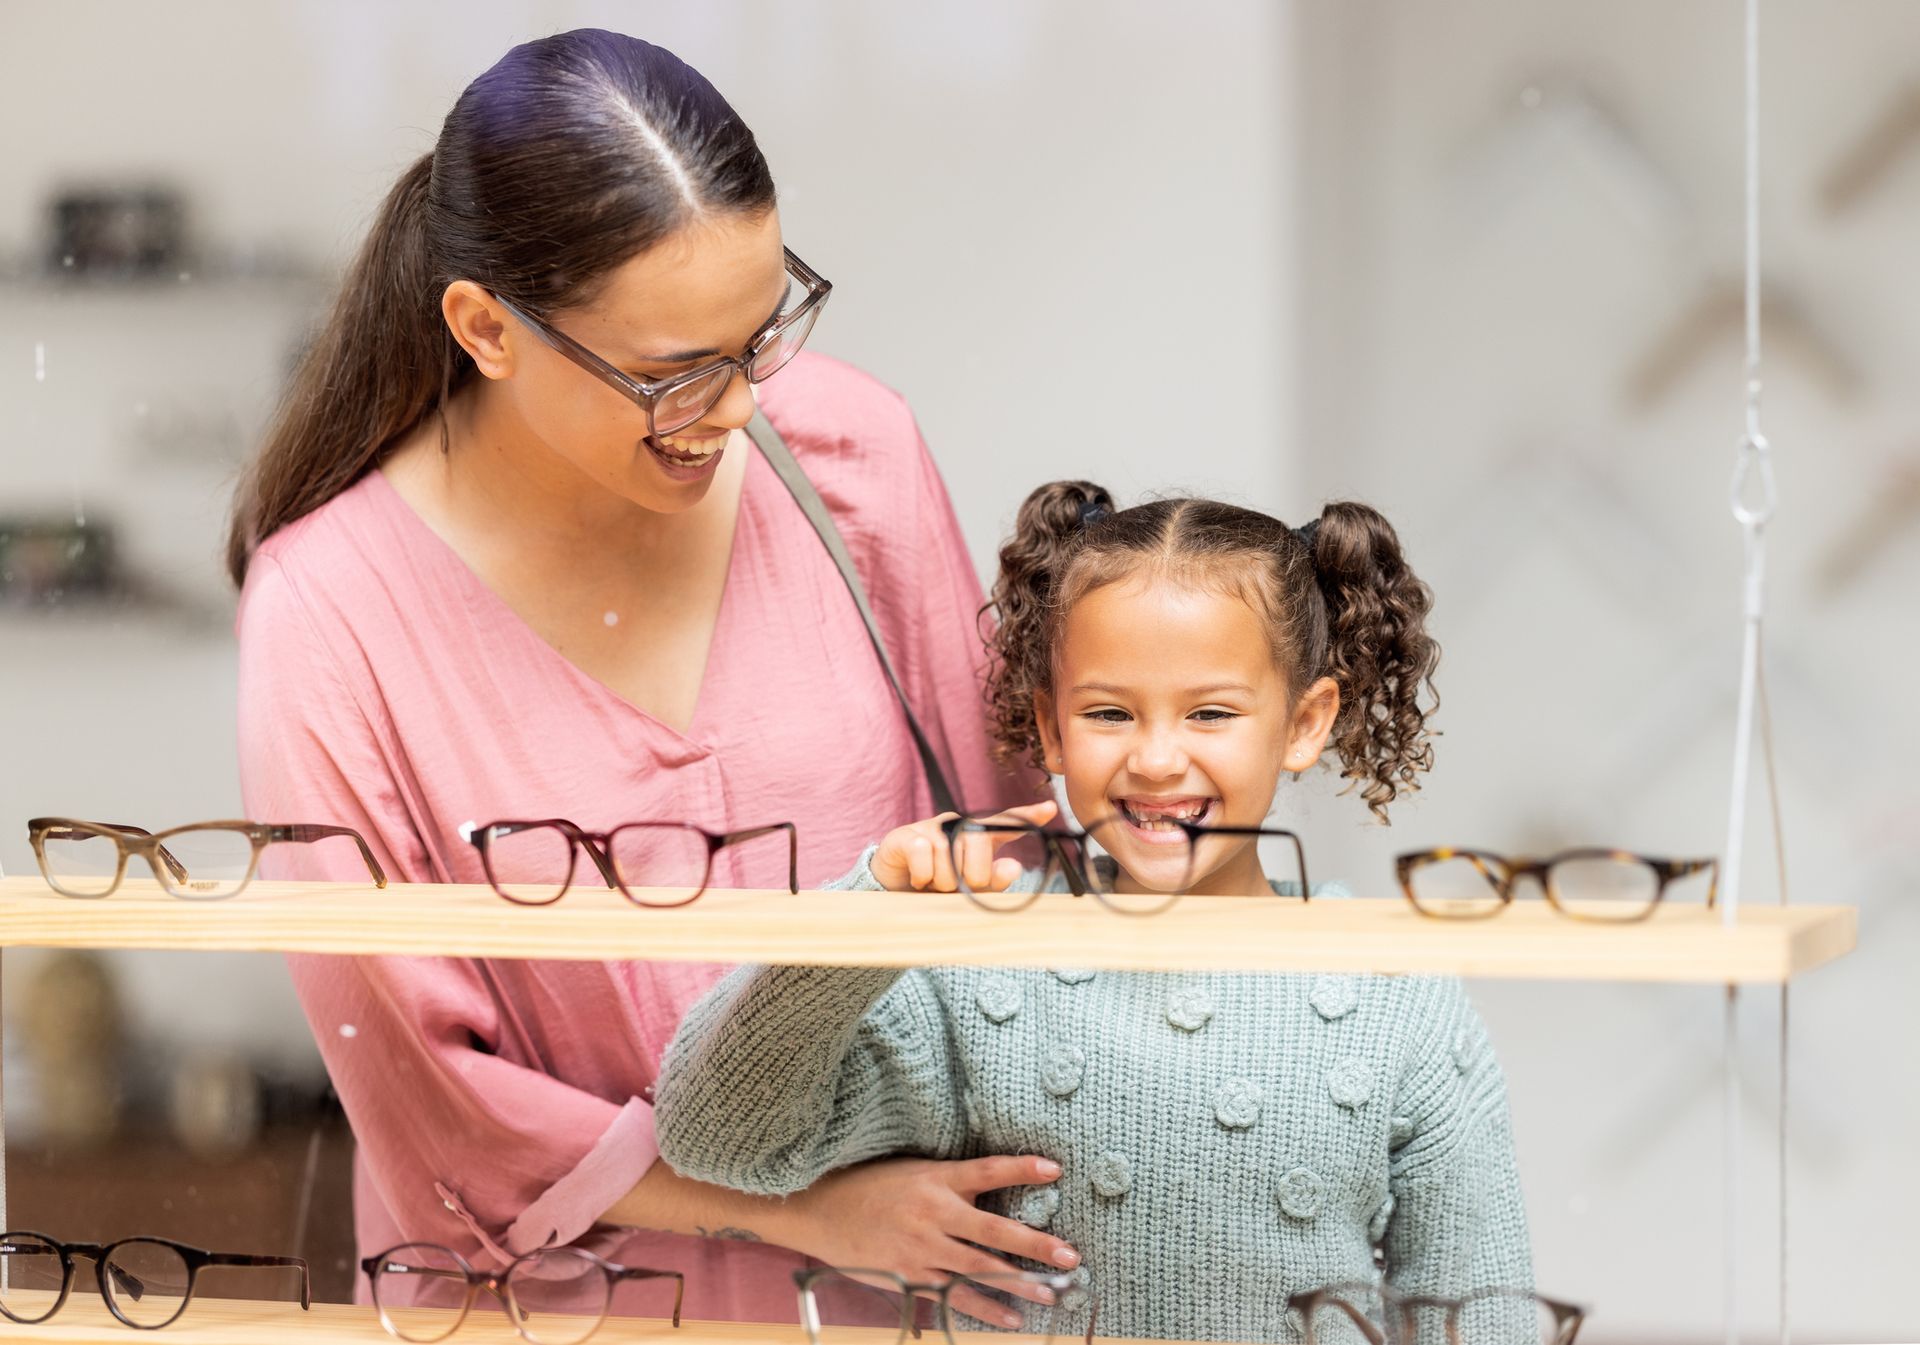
1683 944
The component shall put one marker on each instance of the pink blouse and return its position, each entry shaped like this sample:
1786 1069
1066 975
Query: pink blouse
501 1104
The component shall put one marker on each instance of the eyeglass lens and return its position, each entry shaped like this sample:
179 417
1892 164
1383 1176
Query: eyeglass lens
146 1282
31 1274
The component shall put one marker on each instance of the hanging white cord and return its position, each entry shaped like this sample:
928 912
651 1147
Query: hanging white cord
1752 497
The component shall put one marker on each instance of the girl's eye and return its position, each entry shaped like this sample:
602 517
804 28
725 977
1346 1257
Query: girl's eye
1214 716
1107 716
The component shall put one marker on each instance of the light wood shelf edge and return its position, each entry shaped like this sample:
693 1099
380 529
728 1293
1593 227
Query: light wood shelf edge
234 1321
1680 944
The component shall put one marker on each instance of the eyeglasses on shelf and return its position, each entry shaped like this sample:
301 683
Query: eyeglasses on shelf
146 1282
201 861
1588 883
1165 865
554 1296
1369 1314
840 1306
650 863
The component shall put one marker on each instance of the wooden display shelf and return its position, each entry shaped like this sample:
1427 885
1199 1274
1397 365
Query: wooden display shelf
1529 941
235 1321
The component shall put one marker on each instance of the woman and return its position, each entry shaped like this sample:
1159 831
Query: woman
481 582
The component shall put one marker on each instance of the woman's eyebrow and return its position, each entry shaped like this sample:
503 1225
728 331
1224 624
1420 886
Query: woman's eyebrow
688 356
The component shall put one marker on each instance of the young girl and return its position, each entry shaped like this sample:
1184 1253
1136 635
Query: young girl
1224 1140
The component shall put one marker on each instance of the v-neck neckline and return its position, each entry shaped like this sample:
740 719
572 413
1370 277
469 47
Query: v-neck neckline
479 591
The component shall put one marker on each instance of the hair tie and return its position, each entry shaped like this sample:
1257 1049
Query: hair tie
1091 512
1306 532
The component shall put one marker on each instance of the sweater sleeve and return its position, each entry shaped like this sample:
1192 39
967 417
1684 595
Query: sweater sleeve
464 1145
781 1075
1458 1221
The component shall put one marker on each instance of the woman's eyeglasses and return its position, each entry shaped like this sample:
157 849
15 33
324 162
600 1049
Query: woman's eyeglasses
1584 884
650 863
1367 1314
1170 862
199 862
146 1282
841 1307
555 1296
677 402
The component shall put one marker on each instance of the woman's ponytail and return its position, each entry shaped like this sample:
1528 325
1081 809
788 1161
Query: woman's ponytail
1378 650
383 359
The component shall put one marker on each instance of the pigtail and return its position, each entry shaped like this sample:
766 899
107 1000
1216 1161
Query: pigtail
1052 524
1378 650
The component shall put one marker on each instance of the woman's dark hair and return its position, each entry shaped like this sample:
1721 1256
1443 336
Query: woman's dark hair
570 156
1337 596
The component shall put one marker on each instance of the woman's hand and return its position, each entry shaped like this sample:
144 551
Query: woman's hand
917 857
916 1217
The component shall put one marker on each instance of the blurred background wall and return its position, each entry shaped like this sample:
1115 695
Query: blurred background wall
1467 260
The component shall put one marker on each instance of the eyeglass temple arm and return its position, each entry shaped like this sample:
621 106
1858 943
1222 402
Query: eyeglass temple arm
307 833
679 1283
1686 868
754 833
289 1262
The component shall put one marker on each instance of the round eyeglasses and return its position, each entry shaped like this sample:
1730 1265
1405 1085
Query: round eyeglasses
674 403
555 1295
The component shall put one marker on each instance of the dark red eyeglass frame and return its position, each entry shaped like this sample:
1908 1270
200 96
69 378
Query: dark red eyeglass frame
599 848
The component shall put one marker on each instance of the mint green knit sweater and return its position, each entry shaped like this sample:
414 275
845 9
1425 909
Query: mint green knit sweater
1227 1140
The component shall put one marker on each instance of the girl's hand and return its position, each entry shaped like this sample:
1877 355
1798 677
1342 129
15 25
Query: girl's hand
917 858
916 1217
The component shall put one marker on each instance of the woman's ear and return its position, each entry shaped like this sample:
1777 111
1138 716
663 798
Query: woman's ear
1314 715
478 323
1049 730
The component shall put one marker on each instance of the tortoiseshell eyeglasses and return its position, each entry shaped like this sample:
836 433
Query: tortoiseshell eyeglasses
1596 884
649 863
201 861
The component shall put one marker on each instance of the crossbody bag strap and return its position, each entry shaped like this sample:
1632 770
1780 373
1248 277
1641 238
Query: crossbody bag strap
781 459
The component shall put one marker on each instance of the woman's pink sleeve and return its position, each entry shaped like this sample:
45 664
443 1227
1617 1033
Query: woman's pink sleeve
464 1146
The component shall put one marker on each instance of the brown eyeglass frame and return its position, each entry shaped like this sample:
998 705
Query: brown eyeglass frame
1568 1317
599 848
1667 871
1056 840
646 393
151 846
196 1259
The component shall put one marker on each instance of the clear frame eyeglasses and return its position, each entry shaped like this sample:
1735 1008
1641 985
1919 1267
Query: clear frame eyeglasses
1370 1314
1184 851
841 1307
678 401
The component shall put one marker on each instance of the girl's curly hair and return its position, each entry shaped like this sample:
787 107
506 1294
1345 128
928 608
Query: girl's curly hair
1337 596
